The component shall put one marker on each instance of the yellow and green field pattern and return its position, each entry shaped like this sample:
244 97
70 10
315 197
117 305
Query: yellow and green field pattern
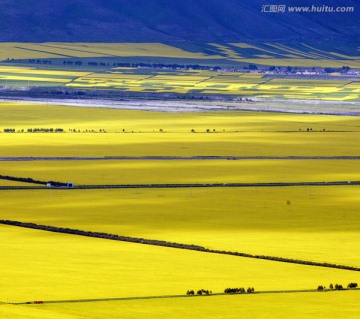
206 82
191 82
27 76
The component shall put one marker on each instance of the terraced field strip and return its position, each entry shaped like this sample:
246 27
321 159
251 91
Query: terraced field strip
171 296
170 244
185 158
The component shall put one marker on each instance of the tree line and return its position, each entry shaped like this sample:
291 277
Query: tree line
352 285
199 292
33 181
35 130
239 290
206 292
51 130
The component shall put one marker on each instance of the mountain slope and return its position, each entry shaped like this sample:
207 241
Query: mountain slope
171 20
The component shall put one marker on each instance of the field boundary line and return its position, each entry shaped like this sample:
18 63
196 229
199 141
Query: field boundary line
167 244
173 296
42 51
62 186
184 158
103 55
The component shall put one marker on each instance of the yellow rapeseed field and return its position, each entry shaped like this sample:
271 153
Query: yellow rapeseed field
218 83
82 50
183 171
266 53
313 223
30 76
309 223
235 83
236 133
308 305
47 266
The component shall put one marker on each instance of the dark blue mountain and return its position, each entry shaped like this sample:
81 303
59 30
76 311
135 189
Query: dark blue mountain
174 20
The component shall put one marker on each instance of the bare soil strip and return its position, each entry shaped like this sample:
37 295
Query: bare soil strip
170 244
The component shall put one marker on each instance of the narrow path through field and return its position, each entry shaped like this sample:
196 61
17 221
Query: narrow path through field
173 296
170 244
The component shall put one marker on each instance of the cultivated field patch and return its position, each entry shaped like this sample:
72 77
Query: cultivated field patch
318 224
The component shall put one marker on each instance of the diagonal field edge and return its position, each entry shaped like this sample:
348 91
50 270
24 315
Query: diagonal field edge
170 244
170 296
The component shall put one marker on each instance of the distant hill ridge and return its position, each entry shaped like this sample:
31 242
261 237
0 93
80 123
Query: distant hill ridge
171 21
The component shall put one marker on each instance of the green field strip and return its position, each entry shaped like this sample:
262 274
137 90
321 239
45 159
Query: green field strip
167 244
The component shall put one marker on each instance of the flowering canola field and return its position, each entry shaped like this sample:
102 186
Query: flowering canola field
308 223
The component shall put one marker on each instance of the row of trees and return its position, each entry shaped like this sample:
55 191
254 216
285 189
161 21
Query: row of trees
35 130
207 130
251 67
45 130
72 62
38 61
172 66
103 235
200 292
34 181
351 285
175 245
239 290
344 69
50 130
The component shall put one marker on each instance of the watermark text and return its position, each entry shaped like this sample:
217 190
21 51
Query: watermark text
283 8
